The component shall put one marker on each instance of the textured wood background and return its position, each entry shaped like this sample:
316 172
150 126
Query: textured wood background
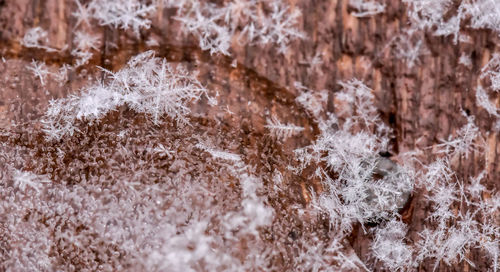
422 104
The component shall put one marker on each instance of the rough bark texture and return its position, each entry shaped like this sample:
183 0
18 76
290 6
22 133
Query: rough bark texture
422 104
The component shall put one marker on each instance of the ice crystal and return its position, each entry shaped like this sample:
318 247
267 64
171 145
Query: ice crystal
390 248
464 142
40 71
365 186
147 85
366 8
430 14
84 44
214 26
492 71
282 131
124 14
25 180
37 37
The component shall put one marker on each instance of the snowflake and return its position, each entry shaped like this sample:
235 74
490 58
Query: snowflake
40 70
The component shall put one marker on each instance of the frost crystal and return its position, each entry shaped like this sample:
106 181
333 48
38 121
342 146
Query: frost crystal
125 14
430 14
390 248
484 102
218 154
39 69
201 20
492 71
483 14
147 85
282 131
312 101
37 38
84 43
359 99
465 60
365 186
24 180
214 26
464 142
409 49
366 8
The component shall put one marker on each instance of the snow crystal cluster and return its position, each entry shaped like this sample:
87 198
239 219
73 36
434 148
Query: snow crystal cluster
216 26
147 85
480 14
365 186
